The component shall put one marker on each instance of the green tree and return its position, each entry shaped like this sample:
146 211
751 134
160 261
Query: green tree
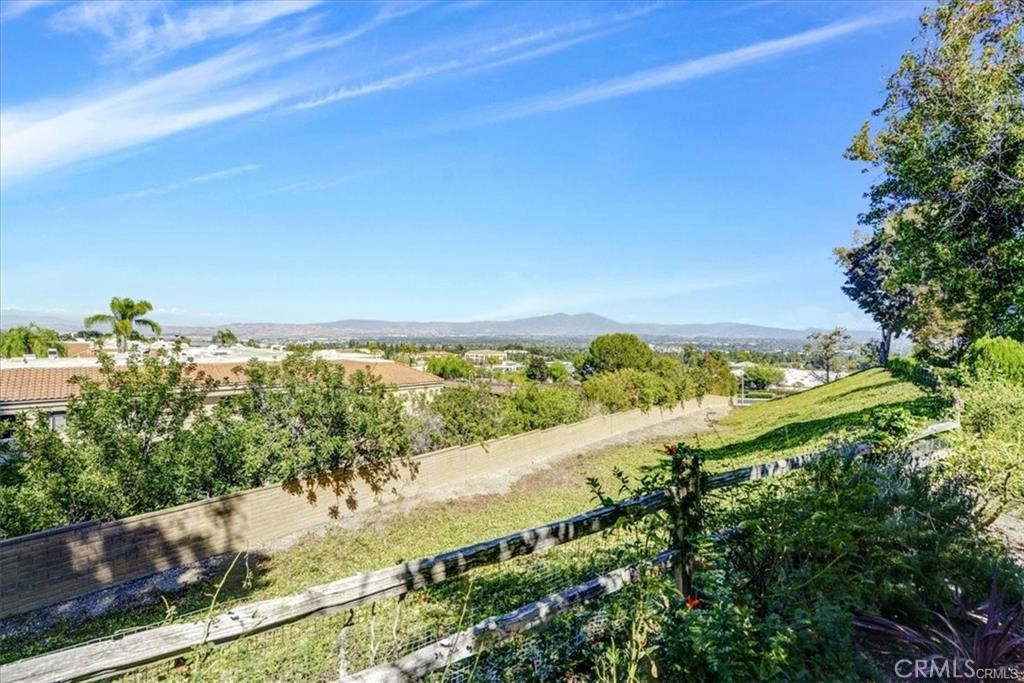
823 350
25 339
949 149
450 367
469 414
306 416
629 388
537 369
618 351
125 314
225 338
140 438
533 407
675 374
872 283
762 376
124 449
557 372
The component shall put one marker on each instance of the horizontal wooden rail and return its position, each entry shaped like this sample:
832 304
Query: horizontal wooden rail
493 630
119 655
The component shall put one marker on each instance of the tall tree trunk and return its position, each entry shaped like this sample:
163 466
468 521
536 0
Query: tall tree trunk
883 348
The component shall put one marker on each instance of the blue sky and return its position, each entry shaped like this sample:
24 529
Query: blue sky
304 161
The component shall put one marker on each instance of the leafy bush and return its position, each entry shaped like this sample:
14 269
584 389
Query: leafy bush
537 369
996 357
629 388
888 428
140 439
468 414
805 555
450 367
532 407
611 352
989 448
913 370
762 376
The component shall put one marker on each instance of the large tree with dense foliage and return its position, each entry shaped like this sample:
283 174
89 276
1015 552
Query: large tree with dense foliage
619 351
537 369
140 438
125 315
948 146
872 283
29 339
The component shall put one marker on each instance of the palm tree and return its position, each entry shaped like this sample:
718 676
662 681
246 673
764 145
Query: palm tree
124 315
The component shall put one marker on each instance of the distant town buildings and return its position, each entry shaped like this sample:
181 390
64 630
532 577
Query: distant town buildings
497 361
43 384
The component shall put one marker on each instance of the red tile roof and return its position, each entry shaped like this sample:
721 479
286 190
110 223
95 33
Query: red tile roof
42 383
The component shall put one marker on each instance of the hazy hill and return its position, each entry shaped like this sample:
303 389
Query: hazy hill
556 326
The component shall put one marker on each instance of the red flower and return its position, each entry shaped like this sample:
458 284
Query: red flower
693 602
671 449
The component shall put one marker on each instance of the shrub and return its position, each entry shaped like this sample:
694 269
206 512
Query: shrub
532 407
468 414
140 439
888 428
805 555
990 446
619 351
996 357
630 388
762 376
450 367
916 371
537 369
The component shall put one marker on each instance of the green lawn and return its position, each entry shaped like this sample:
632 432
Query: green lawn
801 422
765 431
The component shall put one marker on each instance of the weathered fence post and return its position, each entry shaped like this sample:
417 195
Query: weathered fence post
686 510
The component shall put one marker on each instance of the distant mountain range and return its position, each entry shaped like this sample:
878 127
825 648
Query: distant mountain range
556 326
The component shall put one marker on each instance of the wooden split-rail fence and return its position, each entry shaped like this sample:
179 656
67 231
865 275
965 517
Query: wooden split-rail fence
124 654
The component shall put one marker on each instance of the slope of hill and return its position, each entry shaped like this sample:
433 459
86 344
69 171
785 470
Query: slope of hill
798 423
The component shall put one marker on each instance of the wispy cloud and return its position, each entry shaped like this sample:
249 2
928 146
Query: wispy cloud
519 48
586 296
149 30
660 77
37 138
12 9
195 180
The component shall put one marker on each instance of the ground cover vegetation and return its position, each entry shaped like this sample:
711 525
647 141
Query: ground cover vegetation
797 423
143 437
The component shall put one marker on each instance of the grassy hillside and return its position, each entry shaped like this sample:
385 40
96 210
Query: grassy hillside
762 432
801 422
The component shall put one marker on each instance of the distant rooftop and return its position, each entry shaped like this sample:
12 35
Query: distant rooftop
47 380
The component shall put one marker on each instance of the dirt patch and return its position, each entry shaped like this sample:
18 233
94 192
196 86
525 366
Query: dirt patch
1011 529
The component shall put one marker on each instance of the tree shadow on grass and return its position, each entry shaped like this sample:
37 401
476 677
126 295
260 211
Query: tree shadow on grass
808 432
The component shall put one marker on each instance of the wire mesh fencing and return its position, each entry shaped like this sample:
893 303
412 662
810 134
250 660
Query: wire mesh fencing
330 646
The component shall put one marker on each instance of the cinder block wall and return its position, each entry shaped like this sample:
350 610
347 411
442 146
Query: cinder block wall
51 566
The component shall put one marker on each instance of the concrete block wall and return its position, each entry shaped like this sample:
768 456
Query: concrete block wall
51 566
